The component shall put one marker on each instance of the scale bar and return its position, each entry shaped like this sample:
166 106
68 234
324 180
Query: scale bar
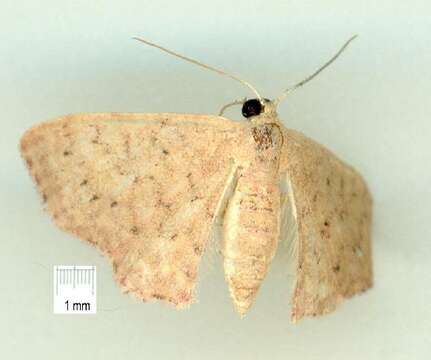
74 289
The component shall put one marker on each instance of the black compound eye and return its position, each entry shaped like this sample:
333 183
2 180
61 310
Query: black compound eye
251 107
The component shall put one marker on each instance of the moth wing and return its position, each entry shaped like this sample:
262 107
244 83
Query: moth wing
332 206
144 188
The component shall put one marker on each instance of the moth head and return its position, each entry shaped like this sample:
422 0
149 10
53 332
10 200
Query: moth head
252 107
256 107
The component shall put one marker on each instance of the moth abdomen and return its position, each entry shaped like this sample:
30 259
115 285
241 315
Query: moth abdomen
251 231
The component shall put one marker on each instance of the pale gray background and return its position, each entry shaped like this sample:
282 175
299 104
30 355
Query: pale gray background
371 107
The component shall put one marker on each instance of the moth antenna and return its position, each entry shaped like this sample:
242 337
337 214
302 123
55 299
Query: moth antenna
317 72
221 72
233 103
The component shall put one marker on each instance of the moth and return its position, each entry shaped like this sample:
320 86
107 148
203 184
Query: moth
146 188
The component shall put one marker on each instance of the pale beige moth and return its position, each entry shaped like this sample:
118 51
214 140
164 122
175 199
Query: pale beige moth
146 188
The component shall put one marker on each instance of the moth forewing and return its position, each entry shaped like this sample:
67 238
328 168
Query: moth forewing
333 207
143 188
